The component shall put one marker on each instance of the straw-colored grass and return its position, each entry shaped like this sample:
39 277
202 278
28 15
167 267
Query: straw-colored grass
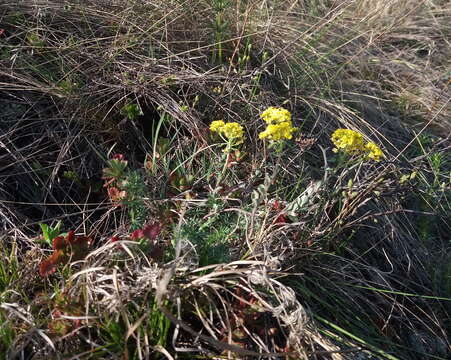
284 251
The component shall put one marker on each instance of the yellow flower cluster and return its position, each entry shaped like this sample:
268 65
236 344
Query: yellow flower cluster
273 115
352 142
278 132
374 151
233 131
216 125
279 124
347 140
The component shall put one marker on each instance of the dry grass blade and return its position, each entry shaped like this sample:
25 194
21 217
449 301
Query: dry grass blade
185 154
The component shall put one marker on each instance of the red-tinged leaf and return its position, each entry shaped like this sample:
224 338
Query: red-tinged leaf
58 243
115 194
229 160
281 219
76 323
114 239
152 231
64 249
137 234
119 157
70 237
48 266
79 247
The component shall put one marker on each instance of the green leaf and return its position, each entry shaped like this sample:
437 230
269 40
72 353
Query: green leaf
45 231
49 233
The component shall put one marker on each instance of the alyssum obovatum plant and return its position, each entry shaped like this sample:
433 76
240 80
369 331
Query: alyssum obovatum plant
279 125
352 143
233 135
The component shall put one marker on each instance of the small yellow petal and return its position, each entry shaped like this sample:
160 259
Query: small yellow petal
374 151
278 131
274 115
216 125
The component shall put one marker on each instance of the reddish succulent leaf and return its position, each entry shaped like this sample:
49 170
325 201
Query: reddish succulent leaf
61 326
281 219
115 194
119 157
79 246
152 231
69 238
137 234
58 243
64 249
234 158
48 266
149 232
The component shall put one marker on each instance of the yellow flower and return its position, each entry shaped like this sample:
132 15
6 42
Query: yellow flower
233 131
216 125
349 141
273 115
374 151
278 131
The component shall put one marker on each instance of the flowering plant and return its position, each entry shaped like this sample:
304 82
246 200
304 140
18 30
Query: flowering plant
278 132
232 132
279 124
349 141
273 115
373 151
352 142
